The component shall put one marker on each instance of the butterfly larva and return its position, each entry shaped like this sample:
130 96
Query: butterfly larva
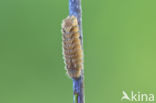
72 47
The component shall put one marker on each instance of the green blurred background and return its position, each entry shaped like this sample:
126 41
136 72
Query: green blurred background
119 48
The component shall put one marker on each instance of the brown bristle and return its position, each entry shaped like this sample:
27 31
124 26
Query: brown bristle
73 55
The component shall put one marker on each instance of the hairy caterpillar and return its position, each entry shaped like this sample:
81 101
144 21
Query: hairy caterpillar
72 49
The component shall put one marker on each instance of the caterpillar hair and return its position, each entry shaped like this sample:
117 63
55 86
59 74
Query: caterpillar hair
72 49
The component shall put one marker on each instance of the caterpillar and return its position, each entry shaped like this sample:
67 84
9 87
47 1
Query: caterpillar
72 49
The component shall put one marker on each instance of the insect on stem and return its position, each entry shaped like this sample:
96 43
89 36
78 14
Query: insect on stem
73 49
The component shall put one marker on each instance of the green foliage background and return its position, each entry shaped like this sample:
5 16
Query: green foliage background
119 48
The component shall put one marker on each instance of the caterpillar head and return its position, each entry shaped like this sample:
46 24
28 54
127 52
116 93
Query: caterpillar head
68 23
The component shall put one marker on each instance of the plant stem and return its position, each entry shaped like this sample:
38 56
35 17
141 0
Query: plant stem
78 84
75 9
78 89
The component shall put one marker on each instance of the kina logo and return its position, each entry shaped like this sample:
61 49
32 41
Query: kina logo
137 96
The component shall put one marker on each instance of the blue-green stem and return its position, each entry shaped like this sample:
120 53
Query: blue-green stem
78 90
78 83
